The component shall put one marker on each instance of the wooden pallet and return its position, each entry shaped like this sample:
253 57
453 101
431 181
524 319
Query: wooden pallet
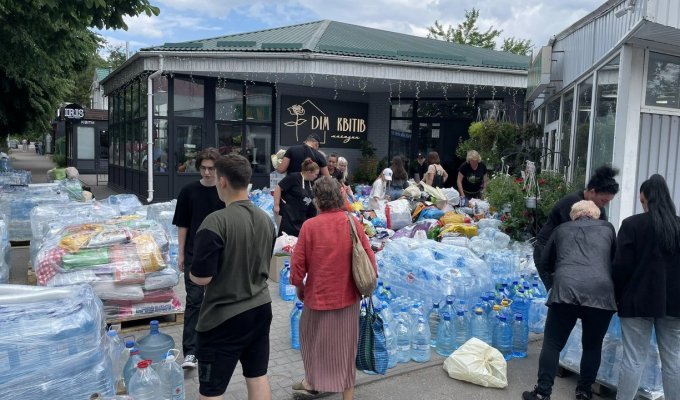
599 388
140 322
31 278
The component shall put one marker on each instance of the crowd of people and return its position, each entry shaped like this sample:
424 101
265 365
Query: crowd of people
590 270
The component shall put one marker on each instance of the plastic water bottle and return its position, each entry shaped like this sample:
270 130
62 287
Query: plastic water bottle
538 313
391 344
448 307
479 326
485 305
403 334
295 327
521 305
421 341
131 366
115 349
172 377
120 384
462 326
145 383
538 287
492 321
433 319
287 291
416 312
379 289
294 308
445 336
386 313
503 337
405 316
155 345
520 337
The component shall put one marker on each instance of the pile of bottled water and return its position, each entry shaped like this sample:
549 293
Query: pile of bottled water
651 386
5 256
265 201
16 203
9 177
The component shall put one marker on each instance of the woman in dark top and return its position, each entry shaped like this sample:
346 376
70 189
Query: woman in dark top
579 255
601 189
297 194
435 175
646 274
472 176
399 178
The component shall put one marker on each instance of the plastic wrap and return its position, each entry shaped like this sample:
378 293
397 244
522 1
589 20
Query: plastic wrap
17 203
15 177
5 256
73 188
265 201
52 344
126 204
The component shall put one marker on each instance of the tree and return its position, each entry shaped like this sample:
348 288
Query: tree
45 44
116 56
467 32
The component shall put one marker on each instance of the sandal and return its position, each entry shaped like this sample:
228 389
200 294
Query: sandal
301 388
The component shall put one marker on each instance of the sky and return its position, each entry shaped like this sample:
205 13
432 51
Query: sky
185 20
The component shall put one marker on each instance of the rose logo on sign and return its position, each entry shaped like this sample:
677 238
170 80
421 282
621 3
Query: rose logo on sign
297 111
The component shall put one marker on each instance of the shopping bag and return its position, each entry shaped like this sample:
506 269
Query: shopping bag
372 351
477 362
363 273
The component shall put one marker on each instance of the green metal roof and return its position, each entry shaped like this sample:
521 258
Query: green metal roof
338 38
102 73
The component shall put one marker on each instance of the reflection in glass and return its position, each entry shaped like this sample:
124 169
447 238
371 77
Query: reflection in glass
258 148
188 139
584 103
448 109
228 138
400 138
553 111
143 98
605 115
128 145
188 97
258 104
402 109
429 137
567 115
104 144
229 102
160 97
160 145
663 81
136 145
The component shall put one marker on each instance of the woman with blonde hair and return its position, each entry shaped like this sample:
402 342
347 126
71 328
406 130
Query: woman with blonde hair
472 177
579 257
342 168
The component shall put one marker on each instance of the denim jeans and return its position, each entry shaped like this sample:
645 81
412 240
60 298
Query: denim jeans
636 334
191 310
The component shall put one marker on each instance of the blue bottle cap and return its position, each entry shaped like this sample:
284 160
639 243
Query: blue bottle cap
129 344
388 287
460 313
518 317
299 306
111 333
435 305
446 316
502 318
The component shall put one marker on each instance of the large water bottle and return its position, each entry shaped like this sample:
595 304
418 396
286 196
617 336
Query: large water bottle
538 313
415 313
445 336
479 326
403 334
120 384
294 308
145 383
386 313
485 305
521 305
520 337
155 345
391 344
539 288
503 338
405 316
462 326
492 321
433 319
295 327
420 351
131 366
287 291
172 377
115 348
379 289
448 307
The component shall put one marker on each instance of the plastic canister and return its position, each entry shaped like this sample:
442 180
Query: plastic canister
155 345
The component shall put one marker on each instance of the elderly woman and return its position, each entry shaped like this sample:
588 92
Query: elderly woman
579 255
472 177
296 192
329 327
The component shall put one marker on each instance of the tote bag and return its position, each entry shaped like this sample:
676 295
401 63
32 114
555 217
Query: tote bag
372 351
363 273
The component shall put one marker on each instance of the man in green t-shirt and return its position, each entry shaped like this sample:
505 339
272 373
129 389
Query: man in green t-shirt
232 251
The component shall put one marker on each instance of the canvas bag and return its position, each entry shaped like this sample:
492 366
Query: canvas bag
363 273
372 352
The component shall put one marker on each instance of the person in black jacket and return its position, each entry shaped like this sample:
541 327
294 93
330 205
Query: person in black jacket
601 189
579 253
646 273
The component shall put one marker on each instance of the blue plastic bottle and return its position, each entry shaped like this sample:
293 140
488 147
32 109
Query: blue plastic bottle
131 365
462 326
295 327
287 291
521 305
391 344
520 337
155 345
403 334
479 326
433 320
445 336
379 289
420 349
503 337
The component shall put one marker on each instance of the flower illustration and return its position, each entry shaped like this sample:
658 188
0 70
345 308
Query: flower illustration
297 110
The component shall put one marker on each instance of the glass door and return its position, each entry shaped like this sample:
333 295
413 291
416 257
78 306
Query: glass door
550 147
188 143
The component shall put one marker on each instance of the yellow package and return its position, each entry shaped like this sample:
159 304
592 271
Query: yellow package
148 253
465 229
452 218
357 206
78 236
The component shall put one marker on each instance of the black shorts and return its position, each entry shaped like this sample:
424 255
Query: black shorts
245 338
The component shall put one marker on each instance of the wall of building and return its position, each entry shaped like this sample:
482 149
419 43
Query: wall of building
664 12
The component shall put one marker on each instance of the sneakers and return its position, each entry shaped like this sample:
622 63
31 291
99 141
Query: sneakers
534 395
190 361
583 394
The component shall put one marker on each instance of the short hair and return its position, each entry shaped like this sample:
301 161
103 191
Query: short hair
433 157
236 169
309 165
333 155
584 209
209 153
313 137
473 155
327 193
603 180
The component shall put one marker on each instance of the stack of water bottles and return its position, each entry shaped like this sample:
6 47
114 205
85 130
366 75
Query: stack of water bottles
264 200
11 177
16 203
52 344
163 213
126 204
5 256
651 386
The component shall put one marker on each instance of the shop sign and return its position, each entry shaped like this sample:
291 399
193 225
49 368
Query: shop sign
339 124
87 122
74 112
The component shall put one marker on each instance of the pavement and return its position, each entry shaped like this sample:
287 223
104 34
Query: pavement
406 381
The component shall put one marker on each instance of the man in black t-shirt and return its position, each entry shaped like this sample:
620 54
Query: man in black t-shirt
295 155
195 202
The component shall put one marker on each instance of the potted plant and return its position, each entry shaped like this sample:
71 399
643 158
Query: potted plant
367 168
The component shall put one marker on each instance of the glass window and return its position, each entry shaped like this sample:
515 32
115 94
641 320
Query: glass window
229 102
584 103
104 144
402 109
229 137
188 96
143 98
552 111
141 145
188 145
400 138
112 147
112 109
258 148
446 109
430 133
160 97
567 113
490 109
663 81
258 104
160 145
134 93
128 103
121 145
605 114
85 142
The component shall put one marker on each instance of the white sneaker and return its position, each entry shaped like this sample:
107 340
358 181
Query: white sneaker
190 361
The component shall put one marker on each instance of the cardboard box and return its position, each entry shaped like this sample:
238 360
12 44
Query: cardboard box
275 267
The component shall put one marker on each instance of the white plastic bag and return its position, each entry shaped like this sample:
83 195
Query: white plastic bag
285 244
400 213
477 362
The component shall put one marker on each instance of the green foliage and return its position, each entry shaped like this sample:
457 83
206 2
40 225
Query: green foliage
517 46
367 149
60 160
116 56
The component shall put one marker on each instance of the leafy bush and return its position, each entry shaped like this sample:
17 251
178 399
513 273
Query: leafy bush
60 160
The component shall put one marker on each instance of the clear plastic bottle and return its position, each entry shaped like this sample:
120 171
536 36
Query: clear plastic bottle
115 349
420 351
386 313
485 305
433 320
405 316
379 289
131 366
287 291
415 313
492 321
445 336
503 337
520 337
521 305
479 326
448 306
145 383
403 334
172 377
295 327
155 345
462 326
120 385
391 344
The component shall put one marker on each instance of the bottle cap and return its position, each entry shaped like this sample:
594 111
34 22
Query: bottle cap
518 317
111 333
299 306
388 287
446 316
502 318
460 313
478 311
129 344
143 364
435 305
496 307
